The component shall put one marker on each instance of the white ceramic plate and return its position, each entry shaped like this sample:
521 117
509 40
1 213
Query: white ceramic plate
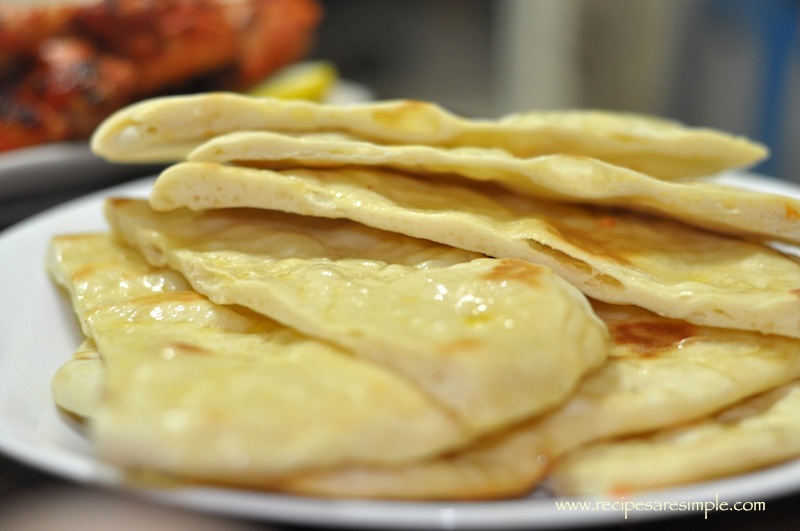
38 333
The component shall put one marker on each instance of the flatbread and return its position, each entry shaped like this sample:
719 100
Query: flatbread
77 385
262 399
609 254
117 272
556 177
494 341
665 372
166 129
660 373
759 432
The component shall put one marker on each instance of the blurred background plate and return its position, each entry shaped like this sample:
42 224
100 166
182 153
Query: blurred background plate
33 179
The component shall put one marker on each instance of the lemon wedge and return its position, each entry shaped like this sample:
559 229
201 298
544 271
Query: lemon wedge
308 81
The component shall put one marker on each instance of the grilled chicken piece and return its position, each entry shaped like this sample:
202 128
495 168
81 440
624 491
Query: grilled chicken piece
64 69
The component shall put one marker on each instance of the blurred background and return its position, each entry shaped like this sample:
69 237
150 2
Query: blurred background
729 64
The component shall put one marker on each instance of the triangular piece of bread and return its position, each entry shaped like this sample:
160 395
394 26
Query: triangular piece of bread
492 340
222 394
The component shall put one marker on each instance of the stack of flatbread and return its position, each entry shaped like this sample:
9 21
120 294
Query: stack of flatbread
387 300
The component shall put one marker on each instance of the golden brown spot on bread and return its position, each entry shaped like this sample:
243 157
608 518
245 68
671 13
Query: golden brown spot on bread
84 271
119 201
597 242
171 297
607 222
623 137
462 345
188 348
791 212
619 491
648 337
513 269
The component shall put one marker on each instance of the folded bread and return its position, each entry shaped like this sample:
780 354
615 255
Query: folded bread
492 340
612 255
660 373
761 431
166 129
221 394
557 177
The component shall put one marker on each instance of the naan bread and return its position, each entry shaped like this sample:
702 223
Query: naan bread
222 394
77 385
660 373
664 372
759 432
556 177
167 129
494 341
117 272
610 255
